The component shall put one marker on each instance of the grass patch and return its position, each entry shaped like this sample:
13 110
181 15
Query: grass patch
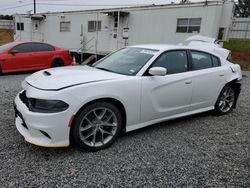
240 52
237 45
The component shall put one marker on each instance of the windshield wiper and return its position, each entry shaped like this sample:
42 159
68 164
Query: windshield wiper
103 69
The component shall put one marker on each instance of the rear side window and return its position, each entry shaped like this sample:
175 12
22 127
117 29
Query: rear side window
201 60
173 61
216 61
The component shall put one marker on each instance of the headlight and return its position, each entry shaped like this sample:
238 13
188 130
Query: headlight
47 106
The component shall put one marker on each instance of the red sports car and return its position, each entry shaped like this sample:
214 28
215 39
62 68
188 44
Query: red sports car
25 56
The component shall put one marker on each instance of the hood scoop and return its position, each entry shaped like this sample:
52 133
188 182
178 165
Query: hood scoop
46 73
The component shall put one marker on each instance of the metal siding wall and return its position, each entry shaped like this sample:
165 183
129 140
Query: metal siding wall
159 26
240 28
154 25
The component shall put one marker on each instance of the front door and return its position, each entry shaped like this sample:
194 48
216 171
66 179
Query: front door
167 95
20 60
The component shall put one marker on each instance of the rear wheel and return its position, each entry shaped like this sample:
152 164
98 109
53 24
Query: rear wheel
97 126
57 63
226 100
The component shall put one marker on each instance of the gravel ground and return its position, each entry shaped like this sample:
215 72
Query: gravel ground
199 151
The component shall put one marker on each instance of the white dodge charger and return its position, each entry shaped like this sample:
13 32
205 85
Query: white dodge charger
129 89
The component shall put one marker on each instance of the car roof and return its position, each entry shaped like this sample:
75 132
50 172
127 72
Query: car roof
160 47
205 47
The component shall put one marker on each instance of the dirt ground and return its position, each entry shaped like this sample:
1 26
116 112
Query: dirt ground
6 35
241 56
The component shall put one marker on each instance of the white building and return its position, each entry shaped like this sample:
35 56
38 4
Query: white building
105 30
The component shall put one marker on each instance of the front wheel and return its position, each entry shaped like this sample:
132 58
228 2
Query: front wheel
226 100
97 126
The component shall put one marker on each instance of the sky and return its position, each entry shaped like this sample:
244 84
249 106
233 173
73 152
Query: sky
24 6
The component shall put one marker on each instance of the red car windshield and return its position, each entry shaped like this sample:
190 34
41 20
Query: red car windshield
6 46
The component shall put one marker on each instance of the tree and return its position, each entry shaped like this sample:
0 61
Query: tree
242 8
6 17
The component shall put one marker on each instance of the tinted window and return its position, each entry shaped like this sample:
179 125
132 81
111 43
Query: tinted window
201 60
173 61
23 48
216 61
34 47
39 47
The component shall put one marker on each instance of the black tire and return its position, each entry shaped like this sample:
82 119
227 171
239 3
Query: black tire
97 126
57 63
226 100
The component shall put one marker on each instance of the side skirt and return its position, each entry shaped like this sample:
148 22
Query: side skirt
145 124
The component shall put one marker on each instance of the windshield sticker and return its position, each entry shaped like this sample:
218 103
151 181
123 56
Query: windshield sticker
132 71
150 52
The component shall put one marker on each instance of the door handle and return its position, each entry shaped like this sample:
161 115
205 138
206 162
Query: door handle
188 81
2 60
221 75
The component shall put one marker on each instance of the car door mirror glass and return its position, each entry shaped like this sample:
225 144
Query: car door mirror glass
157 71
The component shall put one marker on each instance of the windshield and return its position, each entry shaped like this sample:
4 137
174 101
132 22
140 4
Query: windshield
6 46
127 61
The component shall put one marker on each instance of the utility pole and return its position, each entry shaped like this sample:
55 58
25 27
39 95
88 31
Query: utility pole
34 6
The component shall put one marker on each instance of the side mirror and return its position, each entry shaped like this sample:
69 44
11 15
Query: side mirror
13 52
157 71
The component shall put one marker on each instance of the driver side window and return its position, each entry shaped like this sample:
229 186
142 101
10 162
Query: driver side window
173 61
23 48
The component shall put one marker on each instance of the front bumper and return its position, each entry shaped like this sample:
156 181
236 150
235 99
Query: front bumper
48 130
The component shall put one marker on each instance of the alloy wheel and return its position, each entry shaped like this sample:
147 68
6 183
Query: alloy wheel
98 127
226 99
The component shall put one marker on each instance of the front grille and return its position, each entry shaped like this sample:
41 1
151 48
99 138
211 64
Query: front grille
24 98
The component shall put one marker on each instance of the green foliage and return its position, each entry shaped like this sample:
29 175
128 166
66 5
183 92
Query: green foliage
237 45
242 8
6 17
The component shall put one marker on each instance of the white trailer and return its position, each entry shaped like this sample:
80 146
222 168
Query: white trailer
104 30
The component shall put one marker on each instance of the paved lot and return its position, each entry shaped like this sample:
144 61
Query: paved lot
198 151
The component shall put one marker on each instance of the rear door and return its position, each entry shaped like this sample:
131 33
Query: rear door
208 79
167 95
42 55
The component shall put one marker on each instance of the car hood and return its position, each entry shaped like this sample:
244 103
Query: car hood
64 77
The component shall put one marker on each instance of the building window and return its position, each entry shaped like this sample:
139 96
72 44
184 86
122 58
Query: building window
65 26
20 26
188 25
116 23
94 26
